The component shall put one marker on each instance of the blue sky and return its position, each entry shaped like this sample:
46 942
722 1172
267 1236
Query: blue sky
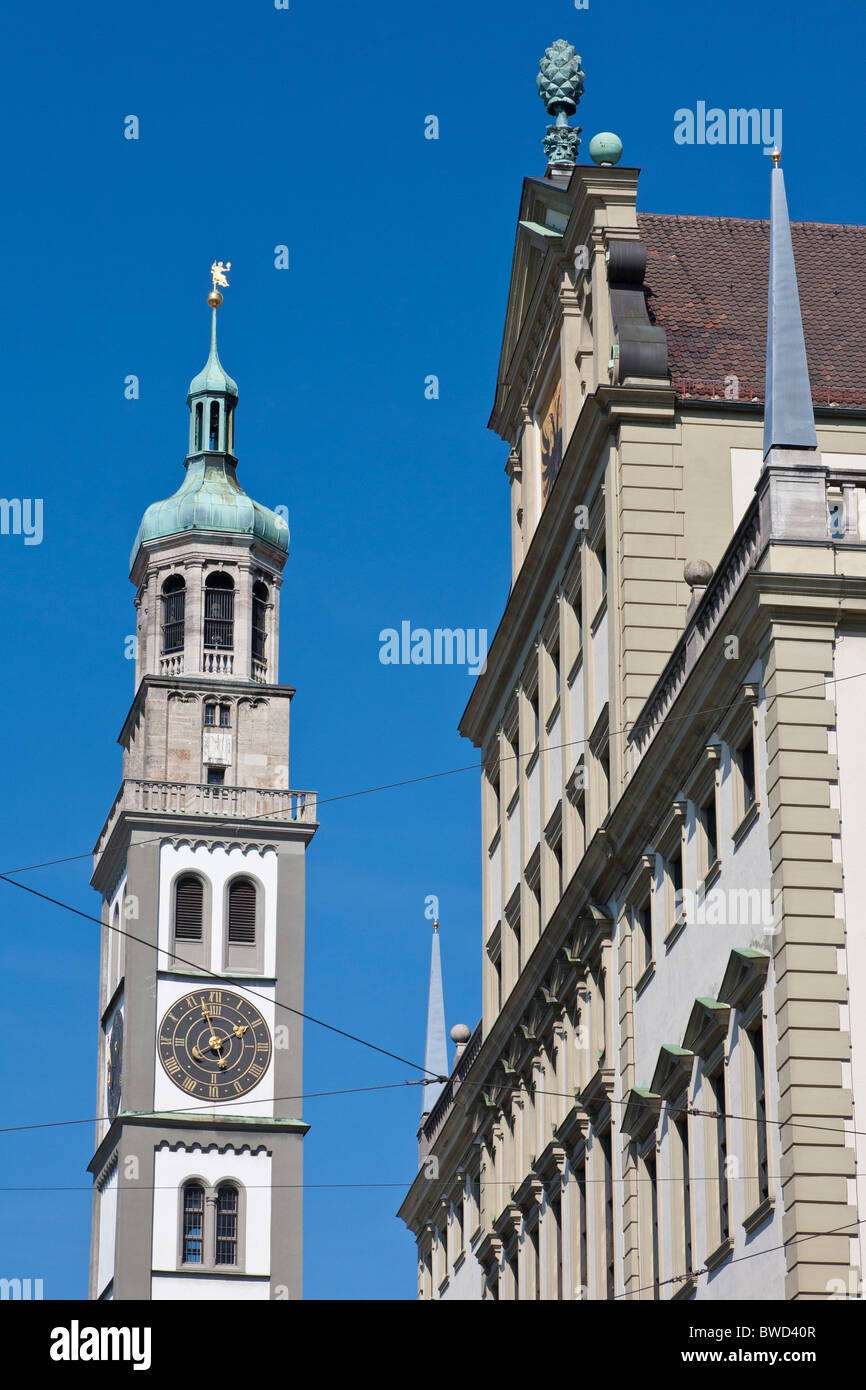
258 128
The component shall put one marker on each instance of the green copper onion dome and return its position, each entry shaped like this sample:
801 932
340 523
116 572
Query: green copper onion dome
210 497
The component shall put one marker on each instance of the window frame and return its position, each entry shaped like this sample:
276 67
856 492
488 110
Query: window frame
245 958
195 953
178 591
208 1264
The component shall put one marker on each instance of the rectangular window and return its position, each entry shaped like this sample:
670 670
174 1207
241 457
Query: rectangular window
554 657
216 776
604 766
651 1177
746 764
227 1226
608 1214
644 936
495 799
225 716
536 1261
717 1088
210 715
681 1128
582 1253
555 1210
475 1199
756 1038
709 826
533 708
458 1225
674 885
193 1223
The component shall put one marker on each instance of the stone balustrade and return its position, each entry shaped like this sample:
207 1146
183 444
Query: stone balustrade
206 799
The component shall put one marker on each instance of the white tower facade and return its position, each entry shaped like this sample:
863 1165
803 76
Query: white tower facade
200 867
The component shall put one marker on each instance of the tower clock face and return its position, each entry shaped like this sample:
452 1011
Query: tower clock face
214 1044
115 1061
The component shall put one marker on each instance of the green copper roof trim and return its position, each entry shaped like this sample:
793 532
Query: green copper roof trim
213 376
184 1117
210 498
542 231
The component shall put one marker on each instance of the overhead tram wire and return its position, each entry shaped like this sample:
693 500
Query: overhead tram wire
211 974
226 821
692 1111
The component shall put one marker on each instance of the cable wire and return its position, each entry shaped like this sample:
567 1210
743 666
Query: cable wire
447 772
211 974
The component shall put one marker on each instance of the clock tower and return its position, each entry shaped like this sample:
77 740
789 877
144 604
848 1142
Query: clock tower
200 867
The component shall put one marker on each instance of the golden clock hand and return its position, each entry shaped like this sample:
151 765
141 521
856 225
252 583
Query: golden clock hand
213 1042
239 1029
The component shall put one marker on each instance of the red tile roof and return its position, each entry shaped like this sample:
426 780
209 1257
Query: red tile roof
706 282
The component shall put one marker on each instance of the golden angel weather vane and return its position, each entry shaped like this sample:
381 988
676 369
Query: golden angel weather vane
218 275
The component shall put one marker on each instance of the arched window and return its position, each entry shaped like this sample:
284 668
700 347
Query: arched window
188 908
260 609
210 714
219 611
193 1224
242 913
226 1252
214 433
199 423
173 609
230 429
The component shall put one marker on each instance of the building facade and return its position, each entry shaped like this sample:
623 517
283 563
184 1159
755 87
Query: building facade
200 868
661 1097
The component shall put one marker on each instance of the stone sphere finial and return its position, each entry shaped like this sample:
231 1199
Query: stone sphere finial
697 573
560 85
605 148
460 1034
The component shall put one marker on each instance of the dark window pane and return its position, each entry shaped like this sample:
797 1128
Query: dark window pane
227 1226
193 1219
173 609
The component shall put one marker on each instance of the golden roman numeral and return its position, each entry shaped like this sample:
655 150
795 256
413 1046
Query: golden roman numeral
172 1065
189 1085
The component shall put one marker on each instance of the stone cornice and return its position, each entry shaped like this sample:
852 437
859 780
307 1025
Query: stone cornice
172 827
201 1130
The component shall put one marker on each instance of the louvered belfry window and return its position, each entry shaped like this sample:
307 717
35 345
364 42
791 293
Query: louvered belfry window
242 912
188 904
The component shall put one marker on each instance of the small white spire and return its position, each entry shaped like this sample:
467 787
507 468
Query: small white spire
436 1047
